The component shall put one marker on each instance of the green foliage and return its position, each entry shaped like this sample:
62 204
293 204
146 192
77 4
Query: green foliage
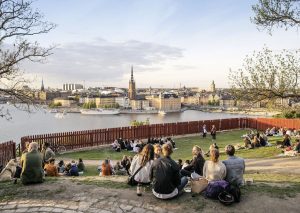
267 77
276 13
140 123
89 105
110 106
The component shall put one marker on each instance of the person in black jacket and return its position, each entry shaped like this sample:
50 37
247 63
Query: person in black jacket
165 176
196 165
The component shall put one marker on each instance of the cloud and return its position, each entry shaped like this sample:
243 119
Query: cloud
103 60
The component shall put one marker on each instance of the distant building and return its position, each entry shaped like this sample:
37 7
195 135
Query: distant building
70 87
213 87
42 87
132 89
122 101
64 102
166 102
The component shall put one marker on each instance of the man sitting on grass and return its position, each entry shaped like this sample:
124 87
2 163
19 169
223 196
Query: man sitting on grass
235 167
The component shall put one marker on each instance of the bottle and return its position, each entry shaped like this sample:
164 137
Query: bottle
139 190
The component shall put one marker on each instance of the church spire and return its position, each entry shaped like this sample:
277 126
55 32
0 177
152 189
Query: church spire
42 87
132 73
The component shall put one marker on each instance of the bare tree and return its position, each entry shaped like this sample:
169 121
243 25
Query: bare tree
19 22
267 76
276 13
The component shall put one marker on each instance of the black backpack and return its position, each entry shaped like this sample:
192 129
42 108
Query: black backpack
235 191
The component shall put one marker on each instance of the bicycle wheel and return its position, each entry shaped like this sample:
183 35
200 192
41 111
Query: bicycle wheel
61 149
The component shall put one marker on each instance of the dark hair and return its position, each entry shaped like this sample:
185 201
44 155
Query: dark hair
52 160
230 150
80 160
179 161
61 162
46 144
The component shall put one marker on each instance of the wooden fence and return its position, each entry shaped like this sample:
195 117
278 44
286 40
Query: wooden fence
7 152
90 138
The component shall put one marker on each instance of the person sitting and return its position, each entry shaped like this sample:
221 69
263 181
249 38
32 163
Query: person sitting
50 169
157 151
106 168
286 141
213 169
80 166
119 169
144 161
235 167
186 163
180 163
255 142
125 162
116 146
61 167
32 165
165 176
47 152
297 146
196 165
247 142
73 171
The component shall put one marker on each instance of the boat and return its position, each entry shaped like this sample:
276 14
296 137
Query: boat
100 111
53 111
161 112
61 115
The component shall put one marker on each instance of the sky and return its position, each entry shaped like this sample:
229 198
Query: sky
168 42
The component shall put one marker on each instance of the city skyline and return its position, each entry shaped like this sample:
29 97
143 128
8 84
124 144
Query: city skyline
168 42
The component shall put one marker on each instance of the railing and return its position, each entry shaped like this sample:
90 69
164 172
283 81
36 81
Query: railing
90 138
7 152
264 123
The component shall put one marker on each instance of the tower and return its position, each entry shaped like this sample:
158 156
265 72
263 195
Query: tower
42 87
131 90
213 87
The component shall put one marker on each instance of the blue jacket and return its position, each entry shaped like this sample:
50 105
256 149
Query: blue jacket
235 168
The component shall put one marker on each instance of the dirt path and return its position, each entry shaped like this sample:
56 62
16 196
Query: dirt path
69 196
283 165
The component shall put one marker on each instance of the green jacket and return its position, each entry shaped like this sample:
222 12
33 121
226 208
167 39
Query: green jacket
32 170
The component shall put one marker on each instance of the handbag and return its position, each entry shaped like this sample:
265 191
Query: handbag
131 181
199 185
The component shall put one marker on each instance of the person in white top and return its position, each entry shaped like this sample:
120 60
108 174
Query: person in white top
213 169
144 159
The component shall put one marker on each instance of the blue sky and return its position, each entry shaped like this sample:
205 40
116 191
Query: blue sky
169 42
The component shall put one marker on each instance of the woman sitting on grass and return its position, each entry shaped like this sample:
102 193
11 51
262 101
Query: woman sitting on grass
214 169
106 169
81 166
50 169
144 161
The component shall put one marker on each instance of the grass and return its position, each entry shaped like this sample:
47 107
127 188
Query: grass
184 145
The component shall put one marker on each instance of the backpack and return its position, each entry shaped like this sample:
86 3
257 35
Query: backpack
235 191
214 188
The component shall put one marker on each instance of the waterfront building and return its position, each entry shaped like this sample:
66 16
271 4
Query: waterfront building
105 101
132 89
122 101
64 102
141 104
165 102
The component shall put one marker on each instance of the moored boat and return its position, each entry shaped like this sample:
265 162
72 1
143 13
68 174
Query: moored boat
100 111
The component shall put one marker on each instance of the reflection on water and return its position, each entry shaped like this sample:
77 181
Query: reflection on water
42 122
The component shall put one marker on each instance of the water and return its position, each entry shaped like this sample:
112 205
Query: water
43 122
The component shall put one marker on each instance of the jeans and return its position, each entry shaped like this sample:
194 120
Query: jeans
184 181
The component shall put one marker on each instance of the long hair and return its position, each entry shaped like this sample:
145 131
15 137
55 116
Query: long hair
146 154
214 155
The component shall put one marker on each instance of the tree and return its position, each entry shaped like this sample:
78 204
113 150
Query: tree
18 23
276 13
267 76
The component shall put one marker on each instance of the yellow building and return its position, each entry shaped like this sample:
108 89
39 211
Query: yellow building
139 104
105 101
64 102
166 102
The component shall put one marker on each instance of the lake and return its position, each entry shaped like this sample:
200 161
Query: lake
41 121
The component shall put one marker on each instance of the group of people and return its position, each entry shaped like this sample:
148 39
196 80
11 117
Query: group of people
213 132
282 131
255 139
35 165
168 178
106 168
137 145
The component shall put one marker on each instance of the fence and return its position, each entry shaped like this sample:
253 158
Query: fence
7 152
90 138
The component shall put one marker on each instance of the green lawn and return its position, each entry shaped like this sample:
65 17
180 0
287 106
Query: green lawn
184 145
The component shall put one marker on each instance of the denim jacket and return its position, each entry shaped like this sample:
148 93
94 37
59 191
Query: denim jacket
235 167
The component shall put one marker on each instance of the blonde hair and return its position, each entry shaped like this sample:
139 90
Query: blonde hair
214 155
167 149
